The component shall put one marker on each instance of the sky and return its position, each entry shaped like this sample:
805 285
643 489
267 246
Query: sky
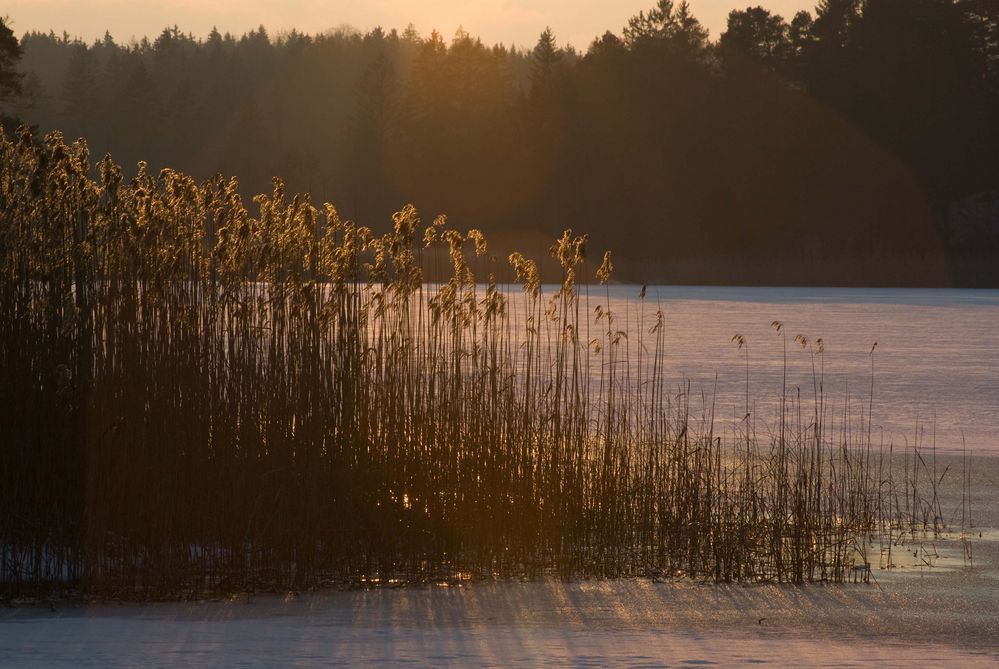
517 22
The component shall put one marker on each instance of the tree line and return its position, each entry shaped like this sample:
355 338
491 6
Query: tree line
840 145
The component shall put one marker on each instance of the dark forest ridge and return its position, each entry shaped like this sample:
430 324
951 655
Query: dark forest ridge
857 144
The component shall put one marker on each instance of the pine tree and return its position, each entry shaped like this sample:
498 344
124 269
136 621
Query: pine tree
544 60
667 25
833 21
756 33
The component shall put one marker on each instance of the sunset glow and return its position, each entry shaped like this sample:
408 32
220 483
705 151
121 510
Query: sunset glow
511 21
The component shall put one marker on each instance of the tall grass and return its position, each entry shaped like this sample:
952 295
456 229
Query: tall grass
196 399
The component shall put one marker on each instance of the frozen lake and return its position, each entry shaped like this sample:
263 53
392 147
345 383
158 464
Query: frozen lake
936 364
917 622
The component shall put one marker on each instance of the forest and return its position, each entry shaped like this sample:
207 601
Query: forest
857 144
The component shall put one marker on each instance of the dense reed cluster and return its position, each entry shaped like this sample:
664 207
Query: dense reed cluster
196 399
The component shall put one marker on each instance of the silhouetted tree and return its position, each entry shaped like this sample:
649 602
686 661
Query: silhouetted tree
799 39
757 34
544 60
834 21
690 36
667 26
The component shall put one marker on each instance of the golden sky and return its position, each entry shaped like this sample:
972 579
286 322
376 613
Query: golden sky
508 21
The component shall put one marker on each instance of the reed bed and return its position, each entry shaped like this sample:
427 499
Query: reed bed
194 399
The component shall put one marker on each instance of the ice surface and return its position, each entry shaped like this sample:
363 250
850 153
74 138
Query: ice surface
935 365
600 623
